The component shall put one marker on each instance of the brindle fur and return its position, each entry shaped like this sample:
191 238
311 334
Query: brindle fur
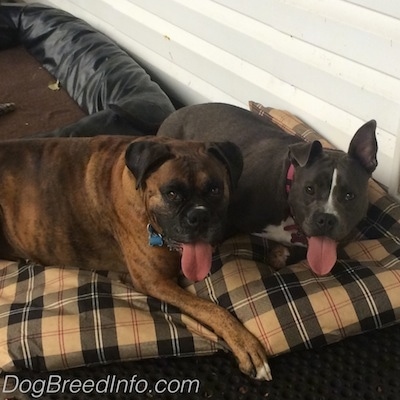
74 202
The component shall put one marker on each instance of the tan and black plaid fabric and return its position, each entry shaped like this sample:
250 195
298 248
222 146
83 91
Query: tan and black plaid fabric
55 318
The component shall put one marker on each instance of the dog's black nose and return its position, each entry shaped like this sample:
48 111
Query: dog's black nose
325 222
198 216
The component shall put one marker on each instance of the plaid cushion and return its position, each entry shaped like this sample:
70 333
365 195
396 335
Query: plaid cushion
55 318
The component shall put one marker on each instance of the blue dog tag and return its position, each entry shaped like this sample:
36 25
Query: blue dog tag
155 239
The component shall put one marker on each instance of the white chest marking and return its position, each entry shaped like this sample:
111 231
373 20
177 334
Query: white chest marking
282 233
329 206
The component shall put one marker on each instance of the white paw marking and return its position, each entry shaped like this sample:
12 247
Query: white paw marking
264 373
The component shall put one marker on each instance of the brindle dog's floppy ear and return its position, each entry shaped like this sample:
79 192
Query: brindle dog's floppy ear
142 158
231 156
304 152
363 147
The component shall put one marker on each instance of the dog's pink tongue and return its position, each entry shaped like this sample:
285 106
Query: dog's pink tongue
196 260
321 254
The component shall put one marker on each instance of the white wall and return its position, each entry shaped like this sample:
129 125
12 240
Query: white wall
333 63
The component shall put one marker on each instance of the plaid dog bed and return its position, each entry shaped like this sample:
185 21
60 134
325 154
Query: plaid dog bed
55 318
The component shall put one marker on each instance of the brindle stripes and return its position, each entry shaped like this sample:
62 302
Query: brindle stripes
54 205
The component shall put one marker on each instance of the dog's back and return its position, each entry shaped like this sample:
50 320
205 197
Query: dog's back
39 177
223 121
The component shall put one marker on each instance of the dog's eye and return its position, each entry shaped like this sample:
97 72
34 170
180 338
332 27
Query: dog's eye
309 190
215 191
349 196
174 196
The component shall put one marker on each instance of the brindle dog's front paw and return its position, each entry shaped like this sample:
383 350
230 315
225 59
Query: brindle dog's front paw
264 373
252 358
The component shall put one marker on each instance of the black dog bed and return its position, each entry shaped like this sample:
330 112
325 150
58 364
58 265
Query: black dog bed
104 80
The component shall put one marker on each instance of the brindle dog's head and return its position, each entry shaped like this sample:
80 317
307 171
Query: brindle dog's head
186 186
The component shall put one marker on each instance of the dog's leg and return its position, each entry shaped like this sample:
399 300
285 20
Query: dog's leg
154 273
247 349
249 352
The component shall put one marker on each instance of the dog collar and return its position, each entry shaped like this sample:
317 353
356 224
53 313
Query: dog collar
289 177
158 240
297 234
155 238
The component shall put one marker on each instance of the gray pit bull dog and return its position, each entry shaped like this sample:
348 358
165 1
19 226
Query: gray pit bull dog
291 191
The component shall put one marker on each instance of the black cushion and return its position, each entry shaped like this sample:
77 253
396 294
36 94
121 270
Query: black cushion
103 79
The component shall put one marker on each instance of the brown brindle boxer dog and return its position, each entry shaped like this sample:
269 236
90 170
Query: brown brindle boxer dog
88 202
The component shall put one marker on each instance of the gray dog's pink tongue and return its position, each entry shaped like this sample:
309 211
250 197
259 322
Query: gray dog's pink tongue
196 260
321 254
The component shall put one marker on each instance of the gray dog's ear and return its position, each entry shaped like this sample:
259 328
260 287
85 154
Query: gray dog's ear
231 156
363 147
304 152
142 158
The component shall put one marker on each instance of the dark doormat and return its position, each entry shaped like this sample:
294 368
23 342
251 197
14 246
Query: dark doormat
365 367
